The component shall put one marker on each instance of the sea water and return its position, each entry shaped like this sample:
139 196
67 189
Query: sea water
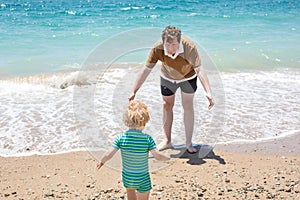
54 100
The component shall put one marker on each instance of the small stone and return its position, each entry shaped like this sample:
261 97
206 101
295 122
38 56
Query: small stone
288 190
260 188
154 193
200 194
270 196
49 195
90 186
277 183
108 190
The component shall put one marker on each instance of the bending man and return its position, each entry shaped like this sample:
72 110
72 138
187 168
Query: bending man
181 65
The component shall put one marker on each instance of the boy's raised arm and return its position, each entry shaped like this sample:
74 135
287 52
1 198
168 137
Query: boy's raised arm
107 156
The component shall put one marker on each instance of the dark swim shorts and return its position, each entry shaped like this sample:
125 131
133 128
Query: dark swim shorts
169 88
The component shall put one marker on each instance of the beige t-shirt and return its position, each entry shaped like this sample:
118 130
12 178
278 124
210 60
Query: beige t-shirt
179 68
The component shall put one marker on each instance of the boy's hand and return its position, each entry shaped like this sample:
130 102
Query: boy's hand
99 165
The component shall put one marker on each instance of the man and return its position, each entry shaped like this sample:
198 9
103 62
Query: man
181 65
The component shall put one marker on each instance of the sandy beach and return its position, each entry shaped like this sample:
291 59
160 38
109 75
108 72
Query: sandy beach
263 170
67 69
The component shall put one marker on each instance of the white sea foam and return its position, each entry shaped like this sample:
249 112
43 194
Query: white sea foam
64 112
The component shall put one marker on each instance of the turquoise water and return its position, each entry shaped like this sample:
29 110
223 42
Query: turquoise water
43 45
50 36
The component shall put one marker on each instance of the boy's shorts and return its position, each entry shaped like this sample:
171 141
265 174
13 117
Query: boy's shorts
140 183
169 88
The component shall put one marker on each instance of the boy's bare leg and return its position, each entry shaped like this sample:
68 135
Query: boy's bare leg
131 194
143 196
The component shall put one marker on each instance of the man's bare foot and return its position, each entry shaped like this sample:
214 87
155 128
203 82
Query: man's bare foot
191 149
164 145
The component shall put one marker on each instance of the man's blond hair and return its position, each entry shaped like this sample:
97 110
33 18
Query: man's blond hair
170 33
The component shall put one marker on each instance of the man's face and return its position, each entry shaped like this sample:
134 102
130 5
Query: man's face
172 46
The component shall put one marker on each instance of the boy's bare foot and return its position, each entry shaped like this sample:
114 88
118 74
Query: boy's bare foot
164 145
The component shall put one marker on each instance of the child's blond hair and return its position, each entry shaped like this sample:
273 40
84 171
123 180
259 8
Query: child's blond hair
136 115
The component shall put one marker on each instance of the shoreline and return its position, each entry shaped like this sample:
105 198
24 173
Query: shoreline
262 170
236 146
279 145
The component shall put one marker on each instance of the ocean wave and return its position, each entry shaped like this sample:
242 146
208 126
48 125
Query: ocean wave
38 113
58 80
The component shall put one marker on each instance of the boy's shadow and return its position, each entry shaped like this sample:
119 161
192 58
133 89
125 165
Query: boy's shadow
198 158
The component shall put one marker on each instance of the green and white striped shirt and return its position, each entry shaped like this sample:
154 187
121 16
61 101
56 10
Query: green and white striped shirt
135 146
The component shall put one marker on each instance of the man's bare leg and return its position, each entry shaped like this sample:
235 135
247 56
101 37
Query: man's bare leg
168 104
188 107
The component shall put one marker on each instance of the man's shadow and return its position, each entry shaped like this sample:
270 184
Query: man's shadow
203 152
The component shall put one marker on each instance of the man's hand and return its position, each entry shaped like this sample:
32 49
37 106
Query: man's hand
211 102
132 96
